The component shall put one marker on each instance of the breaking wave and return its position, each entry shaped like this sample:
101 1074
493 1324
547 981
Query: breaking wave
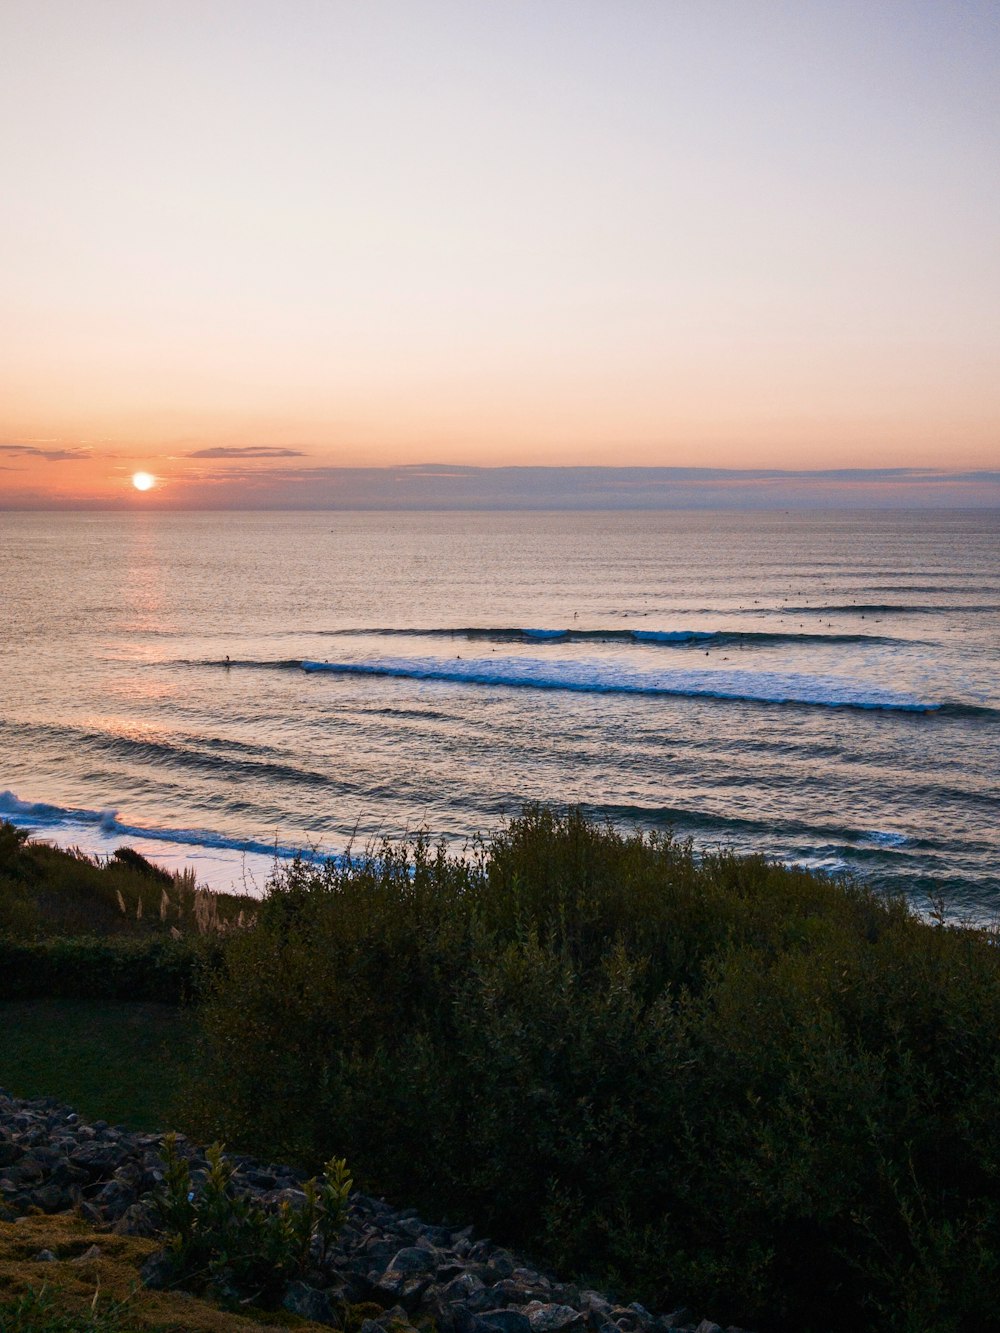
40 815
606 678
668 638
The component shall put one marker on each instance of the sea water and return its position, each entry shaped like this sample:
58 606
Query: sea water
217 689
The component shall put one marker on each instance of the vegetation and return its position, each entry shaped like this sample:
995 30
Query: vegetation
110 1060
75 926
714 1080
94 959
234 1246
80 1291
48 893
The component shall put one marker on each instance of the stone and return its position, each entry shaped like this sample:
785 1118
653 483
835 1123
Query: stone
89 1256
50 1198
135 1221
310 1303
158 1271
10 1153
97 1159
462 1288
412 1259
501 1321
552 1318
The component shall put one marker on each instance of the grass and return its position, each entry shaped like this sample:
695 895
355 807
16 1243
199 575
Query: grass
103 1294
46 891
112 1061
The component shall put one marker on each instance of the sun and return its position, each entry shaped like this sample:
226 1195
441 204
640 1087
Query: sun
143 481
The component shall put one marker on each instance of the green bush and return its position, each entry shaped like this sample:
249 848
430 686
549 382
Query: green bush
232 1244
718 1080
115 968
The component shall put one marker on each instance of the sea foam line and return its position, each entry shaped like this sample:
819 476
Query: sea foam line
605 678
41 815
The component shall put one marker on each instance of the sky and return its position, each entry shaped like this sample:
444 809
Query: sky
309 252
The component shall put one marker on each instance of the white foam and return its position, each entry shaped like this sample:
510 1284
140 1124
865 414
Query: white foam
882 838
610 678
220 862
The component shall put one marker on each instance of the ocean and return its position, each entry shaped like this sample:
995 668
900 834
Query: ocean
220 689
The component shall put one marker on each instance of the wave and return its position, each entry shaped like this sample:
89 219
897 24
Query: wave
248 761
885 609
720 829
764 687
605 678
982 712
885 838
669 638
39 814
279 664
763 830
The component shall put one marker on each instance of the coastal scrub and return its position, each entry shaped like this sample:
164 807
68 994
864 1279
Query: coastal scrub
768 1090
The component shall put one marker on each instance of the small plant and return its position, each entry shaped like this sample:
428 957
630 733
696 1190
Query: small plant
36 1312
216 1236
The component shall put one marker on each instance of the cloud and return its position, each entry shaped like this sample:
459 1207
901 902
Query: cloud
52 455
246 451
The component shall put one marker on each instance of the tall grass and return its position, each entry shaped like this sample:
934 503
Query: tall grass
718 1080
47 892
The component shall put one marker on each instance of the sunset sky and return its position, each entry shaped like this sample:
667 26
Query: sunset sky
246 245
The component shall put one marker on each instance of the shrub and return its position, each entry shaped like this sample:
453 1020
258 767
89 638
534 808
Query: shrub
230 1242
46 892
159 968
719 1081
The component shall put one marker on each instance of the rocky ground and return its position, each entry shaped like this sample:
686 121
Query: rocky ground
51 1160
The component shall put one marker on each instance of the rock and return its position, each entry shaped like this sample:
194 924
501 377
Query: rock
26 1172
97 1159
596 1305
10 1153
462 1288
501 1264
50 1199
501 1321
412 1260
404 1289
310 1303
552 1318
158 1271
43 1257
137 1220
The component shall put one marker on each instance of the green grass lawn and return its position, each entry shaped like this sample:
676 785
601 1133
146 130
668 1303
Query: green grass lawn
113 1061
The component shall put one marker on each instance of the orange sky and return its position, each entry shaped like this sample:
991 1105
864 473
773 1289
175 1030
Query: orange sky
755 237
